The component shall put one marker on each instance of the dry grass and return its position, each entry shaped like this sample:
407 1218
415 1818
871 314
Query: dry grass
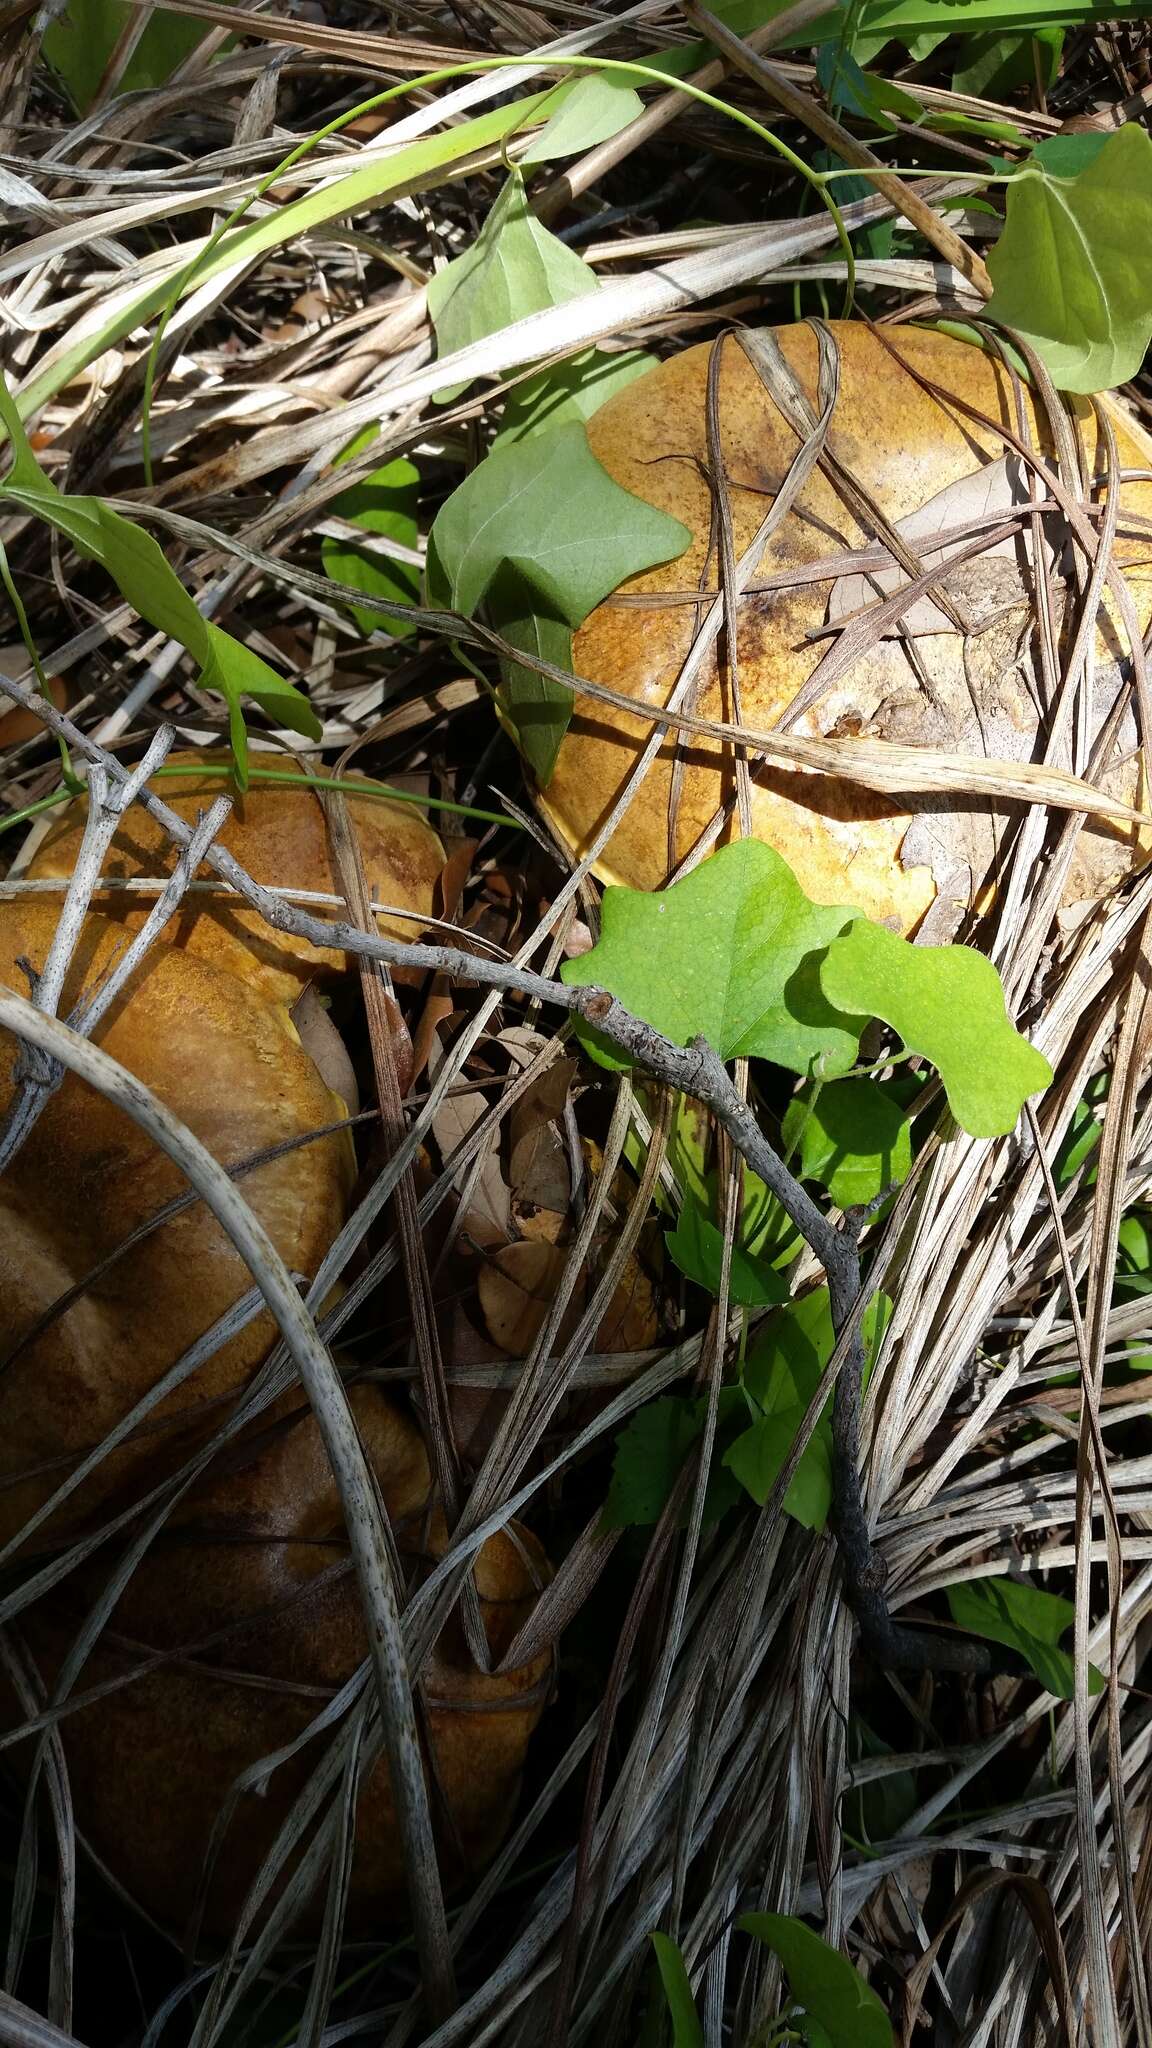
708 1769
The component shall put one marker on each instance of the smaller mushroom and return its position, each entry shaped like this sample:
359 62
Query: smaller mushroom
99 1299
250 1604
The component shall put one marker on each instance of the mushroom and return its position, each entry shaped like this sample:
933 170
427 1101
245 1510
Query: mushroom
252 1585
229 1063
277 832
917 426
205 1024
243 1619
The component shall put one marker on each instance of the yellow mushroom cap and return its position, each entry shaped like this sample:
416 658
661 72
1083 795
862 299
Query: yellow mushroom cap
975 693
230 1065
279 834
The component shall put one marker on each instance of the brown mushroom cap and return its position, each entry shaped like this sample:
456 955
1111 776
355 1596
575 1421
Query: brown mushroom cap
88 1176
279 834
975 693
260 1555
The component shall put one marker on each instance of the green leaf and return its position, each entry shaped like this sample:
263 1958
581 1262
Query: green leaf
1073 268
1081 1137
650 1454
947 1003
846 86
550 509
385 504
514 267
571 390
24 472
1065 156
79 44
235 672
766 1228
994 66
144 578
590 110
758 1456
782 1371
1026 1619
823 1982
541 533
852 1137
697 1245
649 1458
686 2029
948 123
537 708
732 953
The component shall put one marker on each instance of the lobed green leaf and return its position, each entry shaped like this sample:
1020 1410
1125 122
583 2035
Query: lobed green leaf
730 954
947 1003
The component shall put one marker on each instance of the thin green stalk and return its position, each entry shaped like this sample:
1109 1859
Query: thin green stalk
72 780
352 786
45 803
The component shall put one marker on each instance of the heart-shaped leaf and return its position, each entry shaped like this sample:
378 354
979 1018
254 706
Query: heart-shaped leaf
730 954
947 1003
823 1982
1024 1618
852 1136
1073 268
514 267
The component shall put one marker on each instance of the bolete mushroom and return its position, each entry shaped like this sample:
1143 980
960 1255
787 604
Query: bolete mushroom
252 1585
230 1065
97 1303
278 832
921 428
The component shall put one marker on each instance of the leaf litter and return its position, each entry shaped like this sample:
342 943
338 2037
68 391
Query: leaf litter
972 1462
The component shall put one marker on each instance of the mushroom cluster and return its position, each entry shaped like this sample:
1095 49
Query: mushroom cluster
242 1617
910 543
